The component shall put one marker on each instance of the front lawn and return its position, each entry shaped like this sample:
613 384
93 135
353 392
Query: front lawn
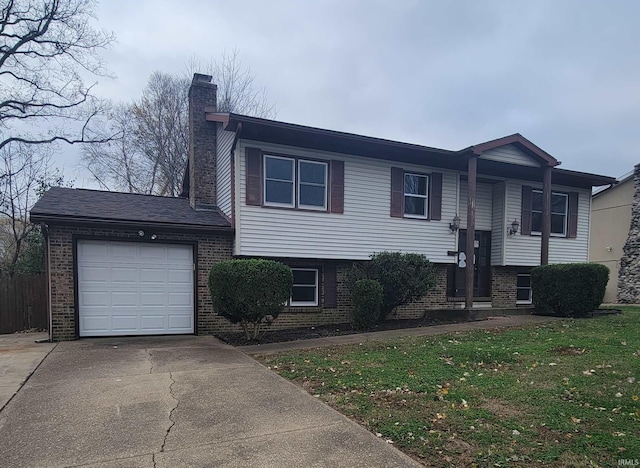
563 394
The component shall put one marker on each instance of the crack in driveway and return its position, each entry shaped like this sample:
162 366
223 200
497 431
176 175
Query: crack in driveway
173 422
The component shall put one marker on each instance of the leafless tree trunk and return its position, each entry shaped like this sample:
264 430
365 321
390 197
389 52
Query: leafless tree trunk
45 47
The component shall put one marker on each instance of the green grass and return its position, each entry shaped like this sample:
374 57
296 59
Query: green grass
561 394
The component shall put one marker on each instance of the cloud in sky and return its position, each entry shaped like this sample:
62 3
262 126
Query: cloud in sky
447 74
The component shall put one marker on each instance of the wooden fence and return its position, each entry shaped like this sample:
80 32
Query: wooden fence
23 302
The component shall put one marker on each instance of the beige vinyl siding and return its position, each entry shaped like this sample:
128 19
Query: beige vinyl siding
525 250
511 155
223 170
365 227
498 227
483 206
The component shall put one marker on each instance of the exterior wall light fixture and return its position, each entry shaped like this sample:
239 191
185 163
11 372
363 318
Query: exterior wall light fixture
513 230
455 224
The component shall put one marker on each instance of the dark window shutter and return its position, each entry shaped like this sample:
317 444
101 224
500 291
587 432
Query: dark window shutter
253 187
330 287
572 216
397 192
336 203
435 196
525 215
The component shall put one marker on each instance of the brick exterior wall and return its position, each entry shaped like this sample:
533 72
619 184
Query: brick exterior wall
503 285
211 248
202 142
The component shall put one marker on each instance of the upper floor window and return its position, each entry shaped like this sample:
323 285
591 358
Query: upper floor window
278 181
282 183
559 209
416 189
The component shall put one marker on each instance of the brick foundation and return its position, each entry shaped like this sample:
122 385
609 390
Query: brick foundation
212 248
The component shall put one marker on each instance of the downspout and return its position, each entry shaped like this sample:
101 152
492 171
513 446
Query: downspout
47 246
233 174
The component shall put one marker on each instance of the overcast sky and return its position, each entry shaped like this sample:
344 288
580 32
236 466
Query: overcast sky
565 74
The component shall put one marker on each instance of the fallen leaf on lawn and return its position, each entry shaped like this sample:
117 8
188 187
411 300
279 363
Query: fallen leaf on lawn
575 420
618 395
635 398
618 434
515 432
588 372
631 379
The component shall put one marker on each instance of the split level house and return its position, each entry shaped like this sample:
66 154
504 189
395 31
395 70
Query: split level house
317 200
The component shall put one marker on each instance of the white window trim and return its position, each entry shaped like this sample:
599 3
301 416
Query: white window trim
530 300
566 214
265 179
299 183
293 303
415 195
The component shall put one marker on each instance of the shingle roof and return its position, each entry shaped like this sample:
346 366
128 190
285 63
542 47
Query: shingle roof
67 204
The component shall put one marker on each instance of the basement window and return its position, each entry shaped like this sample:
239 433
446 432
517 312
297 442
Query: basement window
305 287
523 289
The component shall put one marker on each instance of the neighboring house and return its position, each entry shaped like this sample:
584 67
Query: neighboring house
610 220
629 273
317 200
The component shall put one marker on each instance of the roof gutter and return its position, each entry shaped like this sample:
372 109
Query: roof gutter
80 220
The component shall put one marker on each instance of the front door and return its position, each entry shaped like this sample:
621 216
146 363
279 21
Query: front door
481 265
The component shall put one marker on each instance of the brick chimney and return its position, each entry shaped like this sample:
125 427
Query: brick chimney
202 142
629 276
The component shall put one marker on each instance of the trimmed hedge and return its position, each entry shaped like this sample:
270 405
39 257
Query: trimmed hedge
571 289
250 291
405 277
366 298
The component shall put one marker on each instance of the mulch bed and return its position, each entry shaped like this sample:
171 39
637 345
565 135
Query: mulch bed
322 331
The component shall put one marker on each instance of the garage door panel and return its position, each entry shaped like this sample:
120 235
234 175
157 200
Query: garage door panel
179 276
157 298
125 298
180 322
156 275
97 324
93 250
124 274
135 288
153 252
183 299
179 253
122 323
122 250
94 273
94 298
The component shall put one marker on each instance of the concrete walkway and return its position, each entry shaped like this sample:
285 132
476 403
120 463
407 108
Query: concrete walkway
490 323
20 355
175 402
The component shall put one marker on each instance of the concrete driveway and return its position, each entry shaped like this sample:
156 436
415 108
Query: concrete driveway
172 402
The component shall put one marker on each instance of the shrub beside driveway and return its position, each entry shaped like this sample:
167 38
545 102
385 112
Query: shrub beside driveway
563 394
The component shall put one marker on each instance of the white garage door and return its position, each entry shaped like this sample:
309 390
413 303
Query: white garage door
134 288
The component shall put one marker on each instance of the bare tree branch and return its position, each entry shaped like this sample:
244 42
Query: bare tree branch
45 45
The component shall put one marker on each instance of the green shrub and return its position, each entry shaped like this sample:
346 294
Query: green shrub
250 292
571 289
366 298
405 277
